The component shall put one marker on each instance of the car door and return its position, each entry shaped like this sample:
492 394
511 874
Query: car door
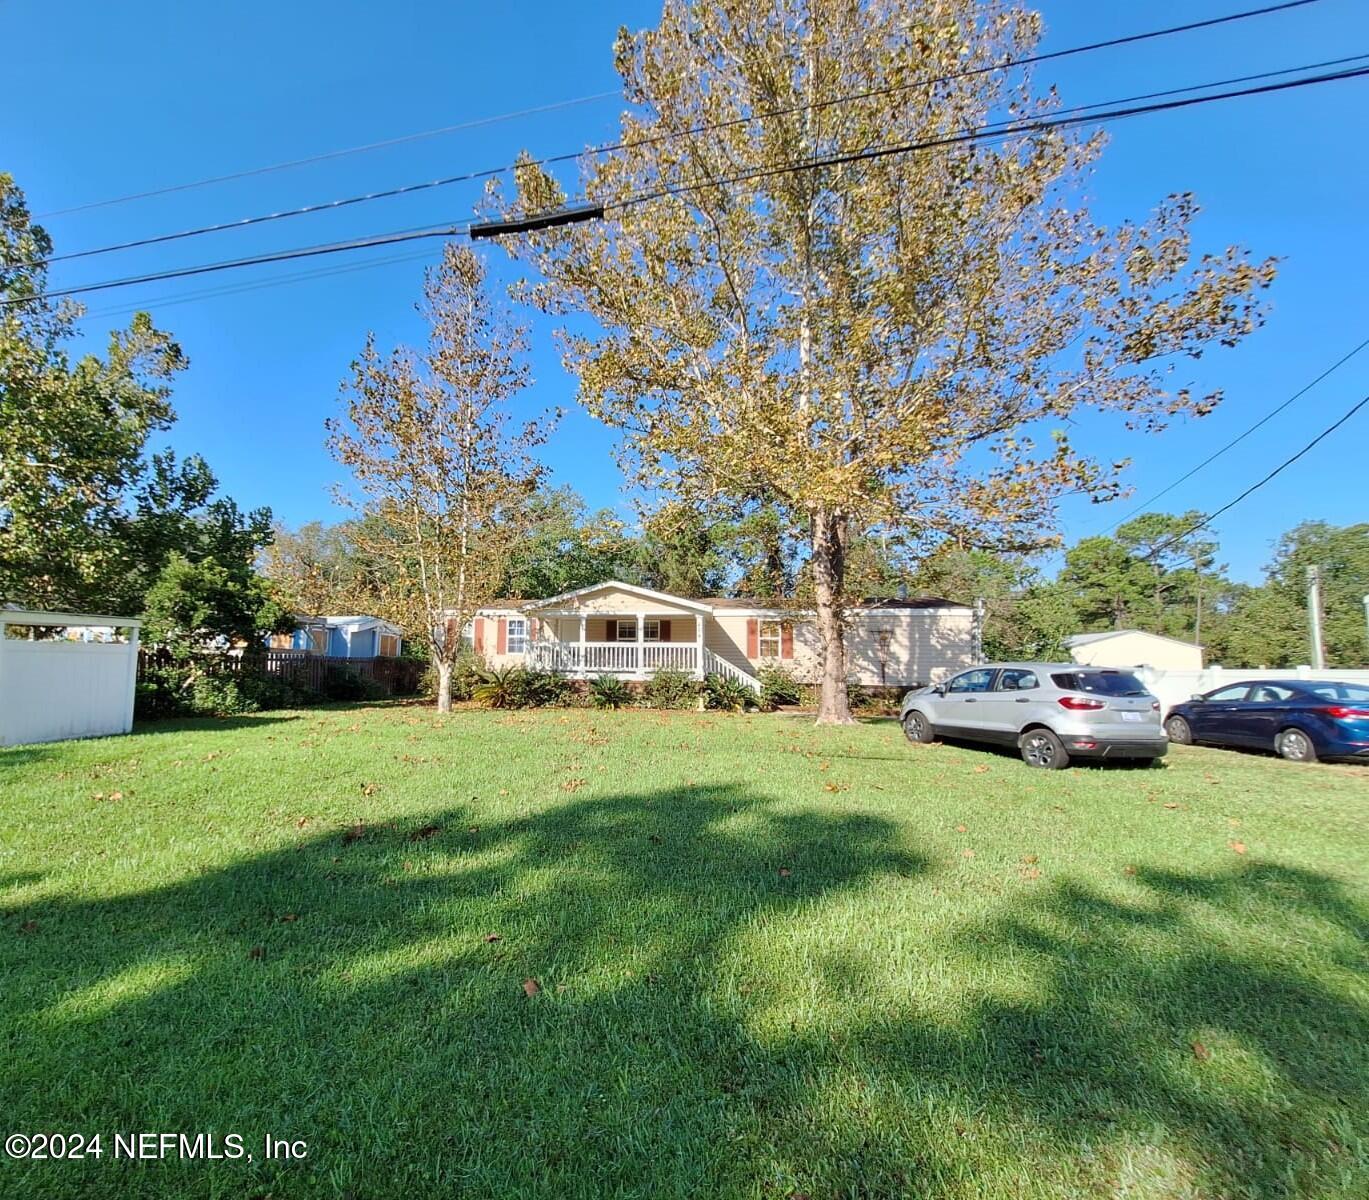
1216 717
962 711
1003 710
1264 713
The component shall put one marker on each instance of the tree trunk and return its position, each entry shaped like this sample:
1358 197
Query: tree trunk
444 685
829 534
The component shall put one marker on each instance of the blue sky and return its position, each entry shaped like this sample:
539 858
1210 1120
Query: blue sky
117 100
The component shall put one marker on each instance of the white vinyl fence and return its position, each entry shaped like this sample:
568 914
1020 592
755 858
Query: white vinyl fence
1174 687
65 675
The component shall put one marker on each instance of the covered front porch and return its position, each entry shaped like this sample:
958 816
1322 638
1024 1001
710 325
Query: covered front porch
631 645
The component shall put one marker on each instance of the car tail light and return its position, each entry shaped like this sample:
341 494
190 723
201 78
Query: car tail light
1341 713
1154 706
1076 703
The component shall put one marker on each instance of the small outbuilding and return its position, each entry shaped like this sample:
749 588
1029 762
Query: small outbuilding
65 675
1134 648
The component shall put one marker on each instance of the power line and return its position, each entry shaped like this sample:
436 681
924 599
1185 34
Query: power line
1264 420
999 130
331 154
469 176
1254 487
176 298
383 239
550 160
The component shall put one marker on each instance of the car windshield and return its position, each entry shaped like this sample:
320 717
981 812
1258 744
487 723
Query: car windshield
1339 691
1103 683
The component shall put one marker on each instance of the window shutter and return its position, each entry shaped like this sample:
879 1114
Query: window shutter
752 638
787 639
450 633
665 631
611 629
480 635
502 645
532 630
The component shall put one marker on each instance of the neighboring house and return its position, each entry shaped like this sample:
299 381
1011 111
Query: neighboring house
1134 648
615 628
341 637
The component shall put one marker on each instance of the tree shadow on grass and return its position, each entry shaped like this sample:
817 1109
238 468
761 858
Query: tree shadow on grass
704 1022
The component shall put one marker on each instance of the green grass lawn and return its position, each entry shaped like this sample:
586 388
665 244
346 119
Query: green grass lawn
769 960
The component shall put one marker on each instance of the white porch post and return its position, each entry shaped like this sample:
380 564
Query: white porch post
698 646
641 645
583 622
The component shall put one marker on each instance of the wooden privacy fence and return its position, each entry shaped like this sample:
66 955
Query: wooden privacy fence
308 672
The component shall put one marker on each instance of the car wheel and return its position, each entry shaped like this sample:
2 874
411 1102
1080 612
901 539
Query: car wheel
1179 731
1295 746
1041 748
916 728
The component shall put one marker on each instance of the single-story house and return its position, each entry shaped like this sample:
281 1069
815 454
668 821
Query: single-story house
1134 648
615 628
341 637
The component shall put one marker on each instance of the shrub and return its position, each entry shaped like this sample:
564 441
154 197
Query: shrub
670 689
498 688
608 691
342 683
540 689
727 694
778 686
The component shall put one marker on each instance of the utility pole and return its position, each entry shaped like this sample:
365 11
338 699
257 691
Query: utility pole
1314 617
1366 618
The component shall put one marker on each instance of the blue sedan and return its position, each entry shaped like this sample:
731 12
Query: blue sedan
1301 719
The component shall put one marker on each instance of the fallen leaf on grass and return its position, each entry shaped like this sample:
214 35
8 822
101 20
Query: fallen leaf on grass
981 768
656 839
288 917
967 854
1171 804
354 834
1239 847
1128 870
29 927
494 937
302 822
368 789
960 829
1201 1052
531 987
426 832
1031 872
473 829
257 952
1029 858
572 785
785 872
116 795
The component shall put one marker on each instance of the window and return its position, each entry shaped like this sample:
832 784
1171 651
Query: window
1017 681
971 681
1102 683
651 630
770 639
1229 694
389 646
518 636
1271 693
282 641
1341 691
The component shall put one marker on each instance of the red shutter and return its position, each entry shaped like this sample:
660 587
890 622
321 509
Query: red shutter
665 631
532 629
450 632
752 638
787 640
502 645
480 635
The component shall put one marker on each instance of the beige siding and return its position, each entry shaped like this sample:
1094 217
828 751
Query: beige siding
613 600
1134 649
916 647
922 647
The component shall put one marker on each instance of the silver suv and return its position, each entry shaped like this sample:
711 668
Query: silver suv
1052 712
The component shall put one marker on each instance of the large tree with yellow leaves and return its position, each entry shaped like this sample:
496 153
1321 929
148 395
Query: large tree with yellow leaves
891 341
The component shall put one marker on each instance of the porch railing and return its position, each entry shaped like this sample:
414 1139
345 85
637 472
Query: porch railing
612 658
621 658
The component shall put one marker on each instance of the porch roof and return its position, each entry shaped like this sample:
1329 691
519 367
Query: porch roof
570 601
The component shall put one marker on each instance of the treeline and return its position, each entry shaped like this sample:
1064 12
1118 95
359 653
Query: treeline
1146 575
